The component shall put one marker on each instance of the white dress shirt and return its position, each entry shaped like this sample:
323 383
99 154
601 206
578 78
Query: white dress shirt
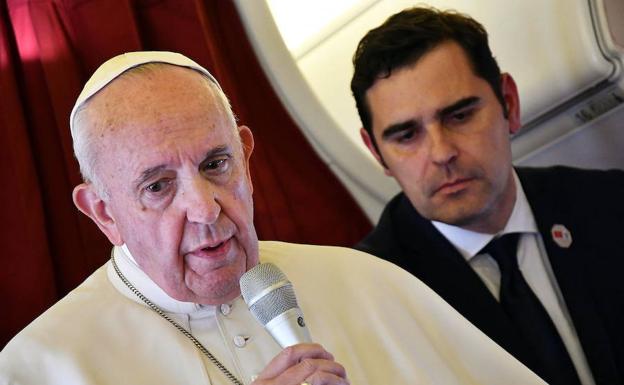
534 265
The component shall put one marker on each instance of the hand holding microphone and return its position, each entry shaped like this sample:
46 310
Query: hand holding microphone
271 299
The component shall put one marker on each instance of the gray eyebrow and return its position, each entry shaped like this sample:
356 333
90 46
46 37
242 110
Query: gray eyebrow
147 174
150 172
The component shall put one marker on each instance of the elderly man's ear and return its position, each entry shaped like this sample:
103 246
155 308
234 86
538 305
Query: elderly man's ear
247 141
92 205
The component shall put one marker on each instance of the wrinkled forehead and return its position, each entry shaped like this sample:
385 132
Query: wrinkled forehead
155 117
119 65
156 84
155 101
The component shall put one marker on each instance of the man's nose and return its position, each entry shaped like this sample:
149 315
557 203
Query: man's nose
201 201
442 149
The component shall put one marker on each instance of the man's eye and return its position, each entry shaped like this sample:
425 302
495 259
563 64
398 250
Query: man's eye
155 187
461 116
406 135
215 165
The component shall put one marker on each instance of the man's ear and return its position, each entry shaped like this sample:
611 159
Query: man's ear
512 101
92 205
368 141
247 141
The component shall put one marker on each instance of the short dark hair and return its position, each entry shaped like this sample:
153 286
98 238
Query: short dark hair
408 35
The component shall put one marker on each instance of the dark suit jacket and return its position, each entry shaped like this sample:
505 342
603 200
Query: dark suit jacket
590 273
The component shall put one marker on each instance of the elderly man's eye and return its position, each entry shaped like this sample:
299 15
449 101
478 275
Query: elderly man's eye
155 187
212 165
215 165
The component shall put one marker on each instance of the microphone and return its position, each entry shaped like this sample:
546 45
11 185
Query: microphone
271 299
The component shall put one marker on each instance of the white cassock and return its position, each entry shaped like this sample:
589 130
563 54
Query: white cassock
380 322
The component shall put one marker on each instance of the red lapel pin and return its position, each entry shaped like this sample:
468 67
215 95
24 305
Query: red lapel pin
561 235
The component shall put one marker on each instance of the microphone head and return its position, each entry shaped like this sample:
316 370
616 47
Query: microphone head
267 292
271 299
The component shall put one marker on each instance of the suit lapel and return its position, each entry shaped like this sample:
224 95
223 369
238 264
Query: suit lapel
569 267
429 256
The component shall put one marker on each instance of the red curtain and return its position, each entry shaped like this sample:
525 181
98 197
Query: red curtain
48 49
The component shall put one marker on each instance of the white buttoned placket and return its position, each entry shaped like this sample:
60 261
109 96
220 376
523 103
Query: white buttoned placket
228 331
250 346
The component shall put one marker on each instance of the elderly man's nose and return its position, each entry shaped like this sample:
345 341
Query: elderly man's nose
201 201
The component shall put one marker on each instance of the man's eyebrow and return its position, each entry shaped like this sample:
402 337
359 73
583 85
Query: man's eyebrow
150 172
217 151
458 105
415 124
147 174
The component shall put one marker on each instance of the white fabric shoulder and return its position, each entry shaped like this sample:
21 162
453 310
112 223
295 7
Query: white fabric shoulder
84 339
384 325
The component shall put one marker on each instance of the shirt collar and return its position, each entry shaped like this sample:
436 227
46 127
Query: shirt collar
469 243
143 283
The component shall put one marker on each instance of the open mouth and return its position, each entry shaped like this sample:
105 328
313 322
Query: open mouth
212 248
219 248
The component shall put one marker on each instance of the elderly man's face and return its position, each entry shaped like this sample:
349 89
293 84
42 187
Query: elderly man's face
178 182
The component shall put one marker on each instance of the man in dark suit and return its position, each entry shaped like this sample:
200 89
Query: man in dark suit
532 257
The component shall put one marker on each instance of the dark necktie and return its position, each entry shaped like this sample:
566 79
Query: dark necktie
551 359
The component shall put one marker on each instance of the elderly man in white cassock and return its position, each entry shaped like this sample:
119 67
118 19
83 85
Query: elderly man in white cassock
167 180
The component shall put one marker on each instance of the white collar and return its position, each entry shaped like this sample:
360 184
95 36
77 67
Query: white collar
469 243
143 283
